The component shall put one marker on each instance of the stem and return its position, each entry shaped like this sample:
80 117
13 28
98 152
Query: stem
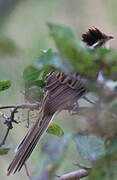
75 175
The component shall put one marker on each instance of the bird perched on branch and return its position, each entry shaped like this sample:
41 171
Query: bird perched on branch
62 91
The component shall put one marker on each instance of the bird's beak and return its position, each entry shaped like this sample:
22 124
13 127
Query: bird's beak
110 37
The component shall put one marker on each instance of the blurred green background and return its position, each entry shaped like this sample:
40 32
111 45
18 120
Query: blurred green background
23 33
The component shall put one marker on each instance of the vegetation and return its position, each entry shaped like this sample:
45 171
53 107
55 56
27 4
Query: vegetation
96 144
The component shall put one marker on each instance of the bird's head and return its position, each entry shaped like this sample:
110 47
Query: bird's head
95 38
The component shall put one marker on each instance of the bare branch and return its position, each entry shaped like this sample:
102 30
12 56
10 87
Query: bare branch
28 113
5 137
88 100
10 119
22 106
27 172
74 175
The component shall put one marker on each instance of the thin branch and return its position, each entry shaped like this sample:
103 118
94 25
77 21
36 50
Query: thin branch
9 126
89 100
5 137
74 175
13 111
28 113
27 172
10 119
22 106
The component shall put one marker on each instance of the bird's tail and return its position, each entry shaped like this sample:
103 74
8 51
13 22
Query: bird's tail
29 142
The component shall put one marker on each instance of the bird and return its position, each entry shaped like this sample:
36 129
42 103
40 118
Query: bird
94 38
62 91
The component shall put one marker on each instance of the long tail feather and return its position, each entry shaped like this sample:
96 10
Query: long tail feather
28 143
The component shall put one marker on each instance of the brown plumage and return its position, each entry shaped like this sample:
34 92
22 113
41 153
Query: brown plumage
61 91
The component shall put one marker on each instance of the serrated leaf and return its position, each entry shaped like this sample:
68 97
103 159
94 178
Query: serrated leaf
4 85
55 129
4 151
89 147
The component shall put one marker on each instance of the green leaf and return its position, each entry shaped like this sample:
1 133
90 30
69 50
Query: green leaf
4 151
49 61
64 38
111 144
107 60
30 75
105 168
34 94
89 147
4 85
7 46
35 74
34 84
70 47
55 129
85 61
54 152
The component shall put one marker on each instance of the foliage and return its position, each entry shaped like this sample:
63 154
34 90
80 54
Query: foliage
4 85
79 56
54 153
55 129
89 146
105 168
99 146
4 150
7 46
87 62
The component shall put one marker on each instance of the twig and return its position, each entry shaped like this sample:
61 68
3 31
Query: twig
27 172
28 113
22 106
9 126
13 110
75 175
5 137
89 100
